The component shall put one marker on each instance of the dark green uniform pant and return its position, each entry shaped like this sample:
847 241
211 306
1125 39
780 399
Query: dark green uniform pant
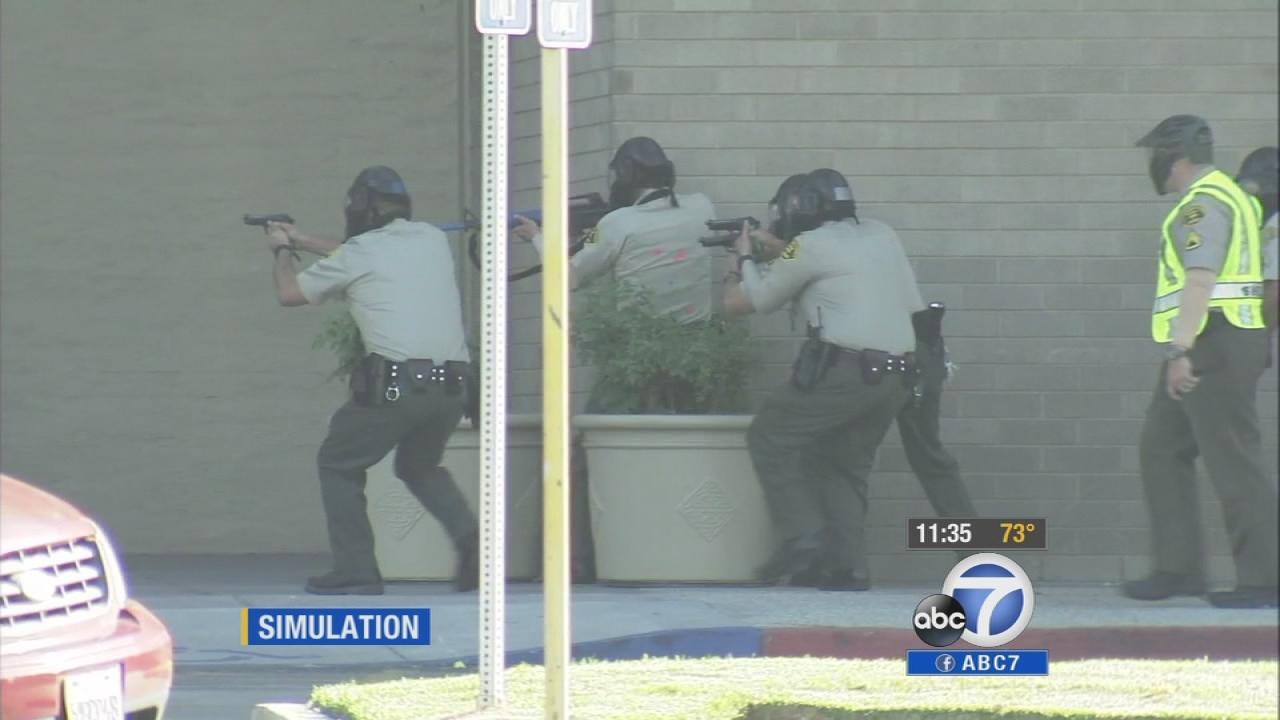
813 451
918 425
417 426
1219 422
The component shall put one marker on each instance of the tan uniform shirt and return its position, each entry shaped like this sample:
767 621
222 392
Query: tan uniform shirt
399 280
654 247
852 280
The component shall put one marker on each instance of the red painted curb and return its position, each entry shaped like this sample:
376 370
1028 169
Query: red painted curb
1150 643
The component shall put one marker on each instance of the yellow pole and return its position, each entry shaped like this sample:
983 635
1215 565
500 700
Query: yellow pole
555 380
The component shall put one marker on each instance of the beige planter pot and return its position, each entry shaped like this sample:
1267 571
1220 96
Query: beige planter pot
674 499
412 545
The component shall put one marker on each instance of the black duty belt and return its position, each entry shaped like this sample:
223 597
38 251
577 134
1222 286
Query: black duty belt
878 361
380 380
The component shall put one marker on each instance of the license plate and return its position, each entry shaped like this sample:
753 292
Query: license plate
96 694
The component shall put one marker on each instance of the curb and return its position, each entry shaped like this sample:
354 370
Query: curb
1147 643
1088 643
286 711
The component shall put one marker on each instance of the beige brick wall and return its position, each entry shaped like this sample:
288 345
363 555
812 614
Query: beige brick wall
146 373
997 136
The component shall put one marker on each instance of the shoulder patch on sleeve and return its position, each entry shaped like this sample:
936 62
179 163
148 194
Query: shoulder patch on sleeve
589 236
1194 240
1191 214
791 250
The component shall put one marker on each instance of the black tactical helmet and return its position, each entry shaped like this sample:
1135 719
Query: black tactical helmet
796 207
837 196
378 182
1260 176
638 163
1177 137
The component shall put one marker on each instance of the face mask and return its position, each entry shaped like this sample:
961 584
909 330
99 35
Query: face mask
621 195
1159 168
357 216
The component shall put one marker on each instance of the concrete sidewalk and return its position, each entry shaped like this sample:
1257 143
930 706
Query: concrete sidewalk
200 598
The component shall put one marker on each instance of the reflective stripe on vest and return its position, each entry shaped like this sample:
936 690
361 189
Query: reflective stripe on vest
1221 291
1238 292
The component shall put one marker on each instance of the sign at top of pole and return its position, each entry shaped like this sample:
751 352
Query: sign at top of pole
504 17
564 24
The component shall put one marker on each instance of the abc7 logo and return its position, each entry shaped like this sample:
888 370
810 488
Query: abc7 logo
986 600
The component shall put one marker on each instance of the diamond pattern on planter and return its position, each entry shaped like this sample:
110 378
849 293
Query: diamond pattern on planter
707 509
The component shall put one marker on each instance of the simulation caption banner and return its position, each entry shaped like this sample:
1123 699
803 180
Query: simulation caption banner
335 626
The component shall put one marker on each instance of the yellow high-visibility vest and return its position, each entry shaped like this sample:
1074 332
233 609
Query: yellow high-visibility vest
1238 292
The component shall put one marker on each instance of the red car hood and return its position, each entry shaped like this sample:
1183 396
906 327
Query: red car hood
30 516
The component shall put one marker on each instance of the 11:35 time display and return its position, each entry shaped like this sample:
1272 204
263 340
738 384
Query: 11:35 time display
976 533
951 534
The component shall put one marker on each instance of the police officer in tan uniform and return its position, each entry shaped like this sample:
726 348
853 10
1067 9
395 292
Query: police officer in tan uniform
1259 176
919 422
649 243
1208 315
407 395
813 441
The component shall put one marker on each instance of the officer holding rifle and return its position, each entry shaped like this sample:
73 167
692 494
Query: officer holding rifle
648 243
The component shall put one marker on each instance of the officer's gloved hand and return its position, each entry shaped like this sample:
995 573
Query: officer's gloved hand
768 246
526 230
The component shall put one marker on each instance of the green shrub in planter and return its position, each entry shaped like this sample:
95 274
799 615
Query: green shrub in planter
342 336
656 365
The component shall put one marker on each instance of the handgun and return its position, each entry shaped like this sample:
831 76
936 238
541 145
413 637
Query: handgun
728 229
262 220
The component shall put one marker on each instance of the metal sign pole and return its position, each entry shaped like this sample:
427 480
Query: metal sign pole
493 394
555 381
496 19
562 24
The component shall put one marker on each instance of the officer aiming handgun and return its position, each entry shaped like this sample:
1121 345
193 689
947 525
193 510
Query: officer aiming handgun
408 393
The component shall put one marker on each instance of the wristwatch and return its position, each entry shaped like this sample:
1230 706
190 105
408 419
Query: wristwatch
1174 352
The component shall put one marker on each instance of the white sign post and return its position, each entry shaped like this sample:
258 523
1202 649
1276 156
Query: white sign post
504 17
562 25
497 20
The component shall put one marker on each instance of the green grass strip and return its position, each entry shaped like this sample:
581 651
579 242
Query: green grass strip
828 689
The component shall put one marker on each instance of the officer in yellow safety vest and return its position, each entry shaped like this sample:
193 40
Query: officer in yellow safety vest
1208 314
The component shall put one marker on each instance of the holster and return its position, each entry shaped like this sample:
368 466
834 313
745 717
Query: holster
471 385
812 363
928 324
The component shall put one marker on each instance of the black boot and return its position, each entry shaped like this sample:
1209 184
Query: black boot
1245 597
336 583
1163 585
811 576
791 558
844 580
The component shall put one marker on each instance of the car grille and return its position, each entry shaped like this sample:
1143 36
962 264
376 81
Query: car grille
67 578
